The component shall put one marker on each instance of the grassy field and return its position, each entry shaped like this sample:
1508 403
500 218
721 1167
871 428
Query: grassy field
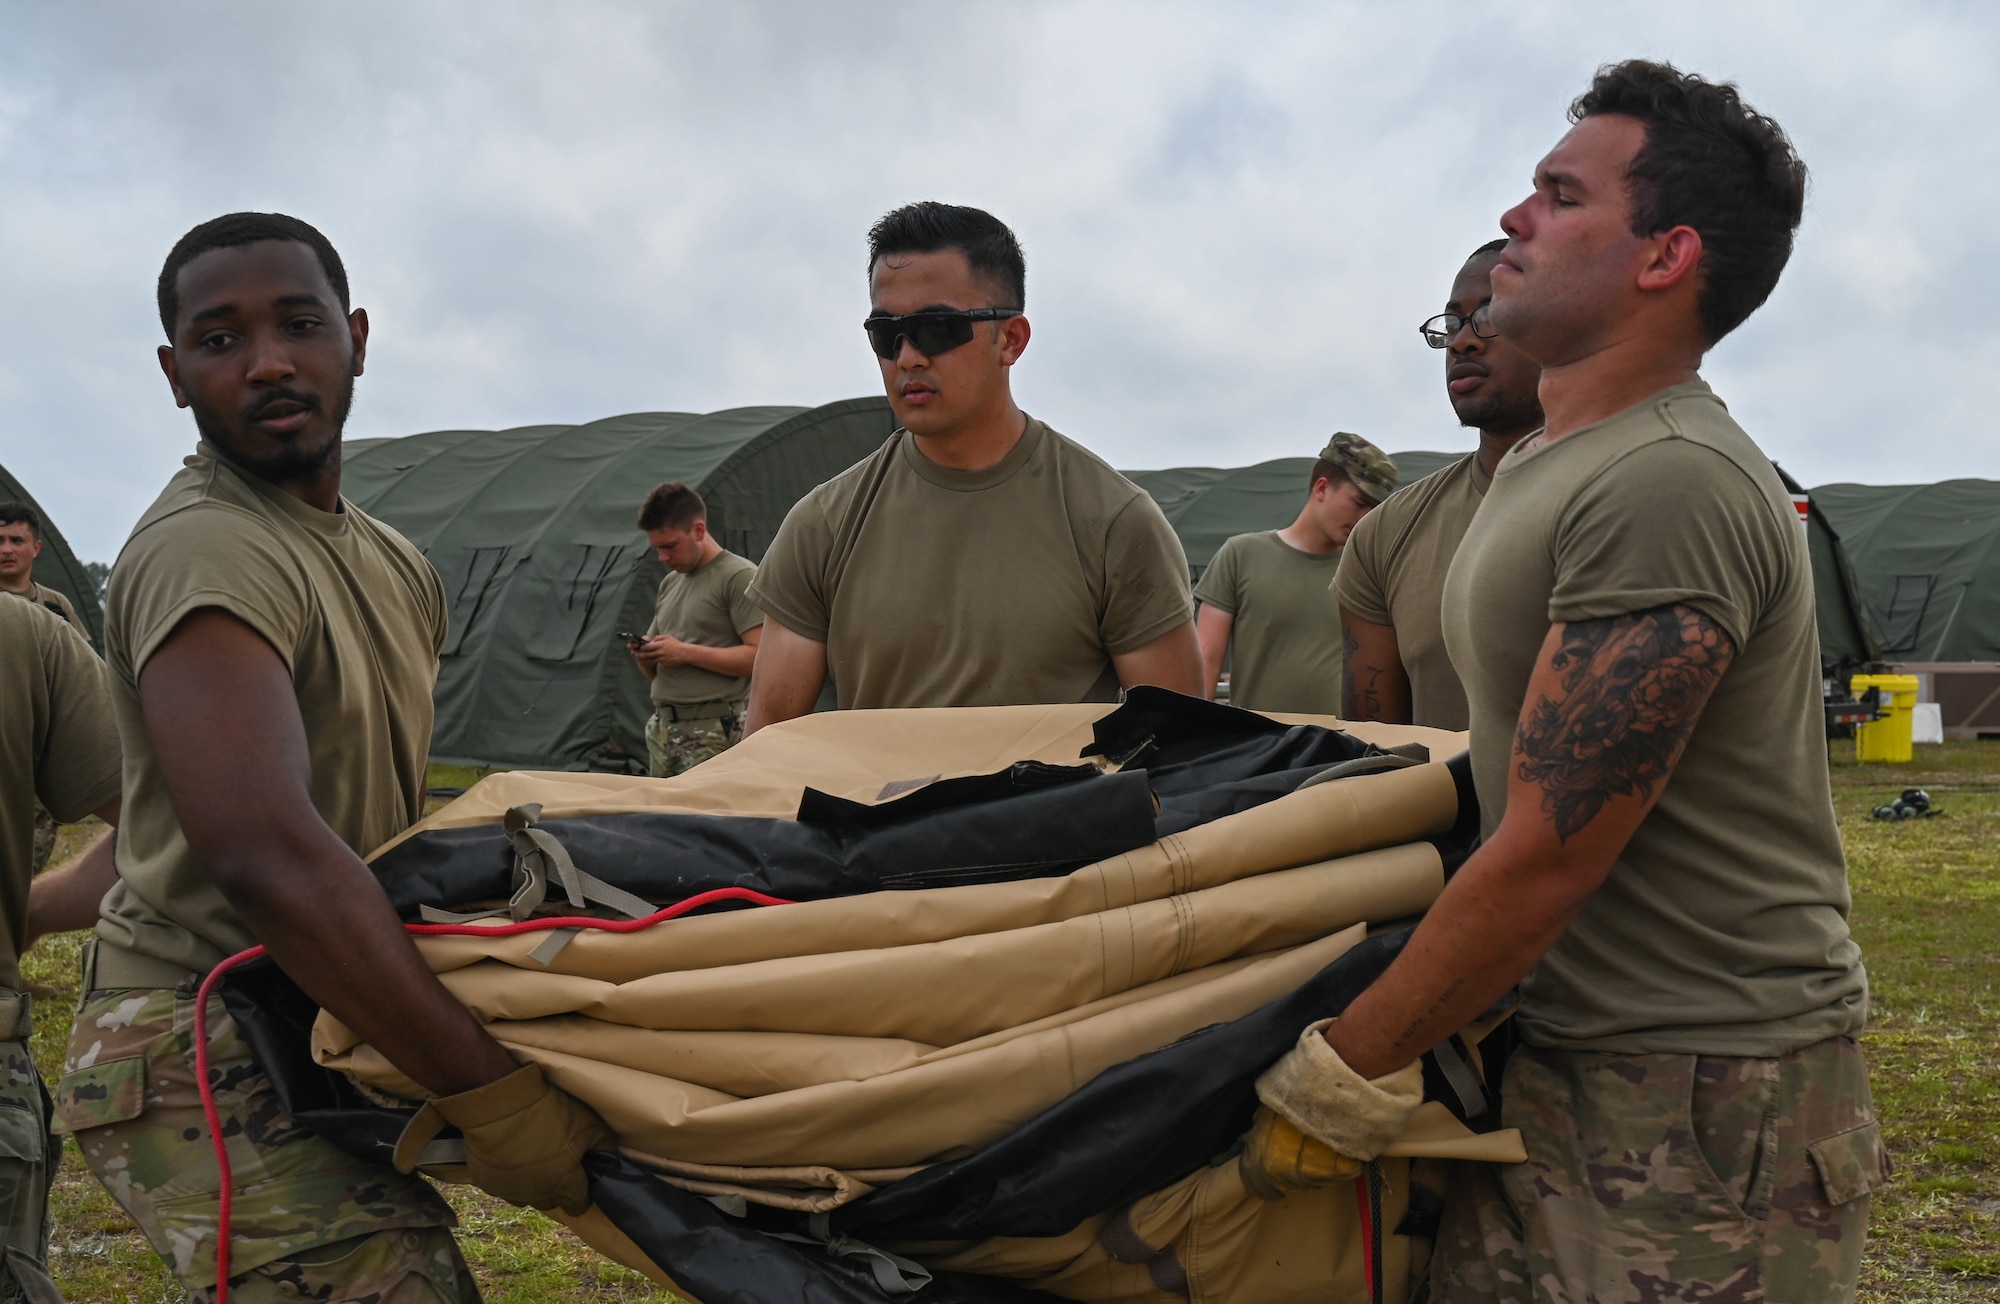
1926 910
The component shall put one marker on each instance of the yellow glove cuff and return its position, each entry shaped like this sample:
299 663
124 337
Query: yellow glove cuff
1313 1089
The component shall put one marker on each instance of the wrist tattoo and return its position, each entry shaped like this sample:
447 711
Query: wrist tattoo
1632 688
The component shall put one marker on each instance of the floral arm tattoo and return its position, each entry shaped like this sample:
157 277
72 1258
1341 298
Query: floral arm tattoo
1633 687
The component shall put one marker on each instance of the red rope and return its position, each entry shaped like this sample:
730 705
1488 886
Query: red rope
225 1204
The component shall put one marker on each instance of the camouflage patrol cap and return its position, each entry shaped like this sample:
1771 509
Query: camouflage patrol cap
1366 465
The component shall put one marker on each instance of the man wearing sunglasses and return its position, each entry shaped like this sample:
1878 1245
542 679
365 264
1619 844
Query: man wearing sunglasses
978 558
1391 580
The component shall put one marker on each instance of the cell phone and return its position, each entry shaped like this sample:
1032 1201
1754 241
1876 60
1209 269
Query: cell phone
630 638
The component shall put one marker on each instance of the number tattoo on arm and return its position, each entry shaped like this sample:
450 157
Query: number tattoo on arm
1632 689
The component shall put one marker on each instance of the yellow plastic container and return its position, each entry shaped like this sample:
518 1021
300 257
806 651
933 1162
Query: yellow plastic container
1888 739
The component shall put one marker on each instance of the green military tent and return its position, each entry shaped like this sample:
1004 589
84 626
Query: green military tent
1207 504
532 530
58 567
1926 559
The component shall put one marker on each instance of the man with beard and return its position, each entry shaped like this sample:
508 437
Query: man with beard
1661 873
1391 580
272 652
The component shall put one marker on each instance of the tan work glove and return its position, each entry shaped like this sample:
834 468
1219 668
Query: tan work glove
1321 1122
524 1140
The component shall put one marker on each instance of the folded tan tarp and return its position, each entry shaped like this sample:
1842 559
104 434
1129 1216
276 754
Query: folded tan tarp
801 1055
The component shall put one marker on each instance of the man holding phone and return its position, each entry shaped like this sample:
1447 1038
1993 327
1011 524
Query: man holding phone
699 649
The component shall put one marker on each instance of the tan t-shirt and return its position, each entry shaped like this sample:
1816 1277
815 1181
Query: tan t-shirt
55 600
1284 648
58 745
1722 929
356 613
709 605
1016 584
1392 573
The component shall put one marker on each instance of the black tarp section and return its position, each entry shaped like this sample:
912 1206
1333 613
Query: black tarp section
1037 828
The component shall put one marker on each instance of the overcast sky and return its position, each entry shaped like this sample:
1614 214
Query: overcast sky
1235 214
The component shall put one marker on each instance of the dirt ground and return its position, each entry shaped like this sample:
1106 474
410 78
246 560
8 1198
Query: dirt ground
1926 910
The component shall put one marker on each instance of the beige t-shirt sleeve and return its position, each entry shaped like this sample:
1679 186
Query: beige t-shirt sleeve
790 585
1359 585
210 556
1673 523
744 613
1221 584
78 770
1146 578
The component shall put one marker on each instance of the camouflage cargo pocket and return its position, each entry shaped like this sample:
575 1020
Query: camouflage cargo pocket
1850 1164
21 1135
111 1092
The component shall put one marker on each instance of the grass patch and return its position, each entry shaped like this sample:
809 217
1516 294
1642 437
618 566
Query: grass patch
1926 911
1927 914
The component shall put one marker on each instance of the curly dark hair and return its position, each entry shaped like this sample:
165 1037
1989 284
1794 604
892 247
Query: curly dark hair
927 226
14 512
232 230
1711 162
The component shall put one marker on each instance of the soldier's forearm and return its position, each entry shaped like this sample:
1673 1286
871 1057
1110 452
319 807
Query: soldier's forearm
321 915
736 662
67 899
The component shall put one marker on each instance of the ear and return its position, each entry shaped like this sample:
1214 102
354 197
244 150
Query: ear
698 531
1673 259
1014 335
357 330
170 367
1321 488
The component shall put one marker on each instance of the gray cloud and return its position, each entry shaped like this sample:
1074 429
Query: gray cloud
1235 215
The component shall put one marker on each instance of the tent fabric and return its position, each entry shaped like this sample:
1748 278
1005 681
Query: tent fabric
1207 504
531 530
58 567
1846 632
798 1058
1926 561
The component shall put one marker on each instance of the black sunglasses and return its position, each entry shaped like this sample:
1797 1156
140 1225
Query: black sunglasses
930 333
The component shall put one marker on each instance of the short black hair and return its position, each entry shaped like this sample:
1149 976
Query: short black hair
671 506
927 226
1711 162
1490 247
19 513
231 231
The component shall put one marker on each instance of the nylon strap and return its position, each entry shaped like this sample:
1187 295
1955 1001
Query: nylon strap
1375 761
895 1274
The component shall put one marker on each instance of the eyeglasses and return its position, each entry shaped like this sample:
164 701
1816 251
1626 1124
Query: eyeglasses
1442 329
929 333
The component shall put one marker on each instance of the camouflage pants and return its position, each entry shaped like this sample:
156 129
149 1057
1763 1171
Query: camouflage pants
28 1160
1661 1178
677 746
309 1221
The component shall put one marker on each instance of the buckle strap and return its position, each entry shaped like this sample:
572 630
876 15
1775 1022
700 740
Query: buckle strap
702 710
538 857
